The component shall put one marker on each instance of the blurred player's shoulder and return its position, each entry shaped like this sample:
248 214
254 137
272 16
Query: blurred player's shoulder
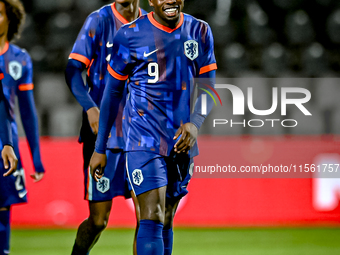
101 13
17 52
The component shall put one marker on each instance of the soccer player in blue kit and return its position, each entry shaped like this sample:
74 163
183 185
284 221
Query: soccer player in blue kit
160 54
17 82
92 52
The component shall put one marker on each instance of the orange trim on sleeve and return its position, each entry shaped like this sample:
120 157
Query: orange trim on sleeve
88 69
116 75
2 76
80 58
164 28
26 87
208 68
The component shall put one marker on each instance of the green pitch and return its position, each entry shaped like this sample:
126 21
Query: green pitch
192 241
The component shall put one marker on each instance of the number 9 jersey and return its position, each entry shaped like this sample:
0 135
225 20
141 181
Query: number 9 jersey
161 64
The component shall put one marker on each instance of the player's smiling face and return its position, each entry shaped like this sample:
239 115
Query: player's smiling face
4 22
167 12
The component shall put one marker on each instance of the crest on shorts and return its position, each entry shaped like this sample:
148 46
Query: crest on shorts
137 177
103 184
191 49
15 70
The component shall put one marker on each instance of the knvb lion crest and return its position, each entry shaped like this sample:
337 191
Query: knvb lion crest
137 177
15 70
103 184
191 49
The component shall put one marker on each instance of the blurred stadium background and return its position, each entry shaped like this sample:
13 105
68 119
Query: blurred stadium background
278 42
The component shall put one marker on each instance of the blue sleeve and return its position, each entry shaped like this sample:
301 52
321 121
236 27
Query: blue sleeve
74 80
207 60
5 127
88 39
121 61
206 83
114 86
29 120
206 78
109 107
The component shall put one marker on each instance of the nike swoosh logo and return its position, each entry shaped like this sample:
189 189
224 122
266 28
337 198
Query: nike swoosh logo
109 45
22 194
152 52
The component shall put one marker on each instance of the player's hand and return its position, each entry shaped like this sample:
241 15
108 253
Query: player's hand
9 159
37 176
188 136
97 165
93 117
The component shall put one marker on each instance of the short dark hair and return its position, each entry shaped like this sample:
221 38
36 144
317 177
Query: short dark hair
16 15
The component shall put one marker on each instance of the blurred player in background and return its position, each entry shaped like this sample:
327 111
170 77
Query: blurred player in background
92 52
17 67
158 126
7 154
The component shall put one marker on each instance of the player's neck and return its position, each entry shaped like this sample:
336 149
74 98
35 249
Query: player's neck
167 23
130 12
3 40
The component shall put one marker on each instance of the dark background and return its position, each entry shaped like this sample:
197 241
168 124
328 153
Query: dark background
261 38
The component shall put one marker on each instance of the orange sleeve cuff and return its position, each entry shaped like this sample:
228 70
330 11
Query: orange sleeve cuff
1 76
26 87
80 58
116 75
208 68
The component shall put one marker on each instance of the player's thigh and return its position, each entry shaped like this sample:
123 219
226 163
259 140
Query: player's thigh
152 204
100 212
170 210
136 204
148 179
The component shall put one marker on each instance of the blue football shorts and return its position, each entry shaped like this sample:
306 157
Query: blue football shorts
147 171
12 188
114 181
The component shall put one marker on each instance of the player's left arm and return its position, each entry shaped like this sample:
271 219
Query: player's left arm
109 109
29 118
115 80
5 126
9 158
205 78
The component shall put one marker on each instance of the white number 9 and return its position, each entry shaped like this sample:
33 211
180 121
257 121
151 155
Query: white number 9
153 72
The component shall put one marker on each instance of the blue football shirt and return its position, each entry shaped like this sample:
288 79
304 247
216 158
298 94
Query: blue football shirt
93 48
161 65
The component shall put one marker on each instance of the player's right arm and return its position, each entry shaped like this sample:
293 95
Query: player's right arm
207 73
114 87
76 84
79 60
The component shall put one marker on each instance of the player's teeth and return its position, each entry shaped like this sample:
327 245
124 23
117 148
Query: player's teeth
171 10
